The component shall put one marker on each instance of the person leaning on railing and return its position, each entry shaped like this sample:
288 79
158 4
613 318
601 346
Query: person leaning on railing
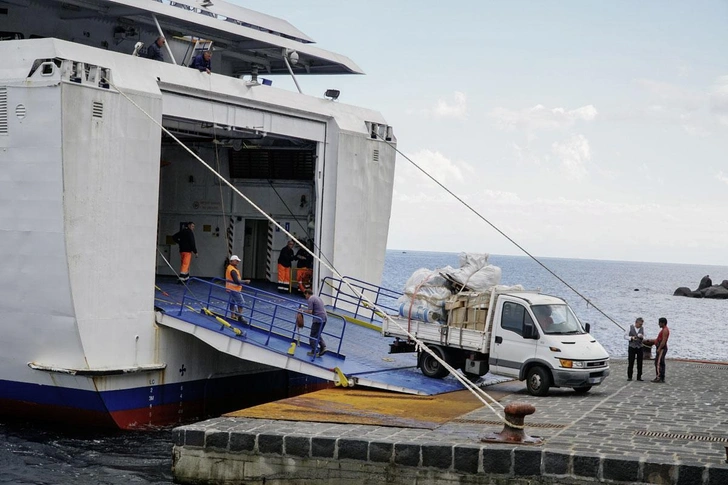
202 63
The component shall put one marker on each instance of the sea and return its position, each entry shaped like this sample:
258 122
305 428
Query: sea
614 294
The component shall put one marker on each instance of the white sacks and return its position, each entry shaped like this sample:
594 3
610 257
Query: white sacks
426 291
474 273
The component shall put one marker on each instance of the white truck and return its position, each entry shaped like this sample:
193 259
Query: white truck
522 334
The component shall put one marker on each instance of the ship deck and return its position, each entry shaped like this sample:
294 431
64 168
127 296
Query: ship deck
358 355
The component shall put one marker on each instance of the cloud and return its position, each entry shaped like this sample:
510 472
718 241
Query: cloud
719 99
672 94
457 109
410 183
541 118
722 177
574 153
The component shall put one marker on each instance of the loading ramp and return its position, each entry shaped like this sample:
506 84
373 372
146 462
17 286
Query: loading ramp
358 354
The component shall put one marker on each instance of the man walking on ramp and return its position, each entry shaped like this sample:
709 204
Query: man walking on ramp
317 309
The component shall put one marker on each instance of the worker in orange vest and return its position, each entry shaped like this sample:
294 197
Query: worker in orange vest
234 286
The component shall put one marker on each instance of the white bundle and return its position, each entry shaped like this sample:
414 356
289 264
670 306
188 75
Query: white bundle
475 273
427 285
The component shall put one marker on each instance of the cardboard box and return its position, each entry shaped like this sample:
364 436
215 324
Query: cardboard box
454 303
470 318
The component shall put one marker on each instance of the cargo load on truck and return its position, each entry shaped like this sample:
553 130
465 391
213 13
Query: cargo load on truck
427 292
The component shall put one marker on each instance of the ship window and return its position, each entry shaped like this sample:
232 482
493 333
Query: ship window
11 36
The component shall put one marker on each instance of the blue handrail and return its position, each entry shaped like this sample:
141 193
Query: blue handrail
345 300
264 311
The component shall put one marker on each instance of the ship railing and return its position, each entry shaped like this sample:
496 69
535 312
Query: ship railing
272 314
355 307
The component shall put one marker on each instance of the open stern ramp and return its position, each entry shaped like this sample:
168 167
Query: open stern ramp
357 356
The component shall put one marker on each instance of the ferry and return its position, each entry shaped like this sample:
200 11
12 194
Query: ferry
101 149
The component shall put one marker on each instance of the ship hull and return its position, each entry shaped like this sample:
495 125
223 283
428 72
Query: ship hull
153 406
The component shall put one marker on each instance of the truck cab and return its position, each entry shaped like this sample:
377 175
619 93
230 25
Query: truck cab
537 338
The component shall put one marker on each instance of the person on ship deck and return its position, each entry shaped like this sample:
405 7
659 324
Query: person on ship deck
185 238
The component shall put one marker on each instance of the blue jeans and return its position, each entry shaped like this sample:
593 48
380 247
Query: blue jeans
236 300
317 328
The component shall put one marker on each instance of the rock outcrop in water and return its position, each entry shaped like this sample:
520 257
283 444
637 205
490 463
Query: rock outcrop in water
706 289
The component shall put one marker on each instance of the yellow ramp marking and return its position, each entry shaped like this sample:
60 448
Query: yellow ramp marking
358 406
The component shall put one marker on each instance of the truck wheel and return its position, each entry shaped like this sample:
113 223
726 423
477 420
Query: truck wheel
538 381
582 390
432 368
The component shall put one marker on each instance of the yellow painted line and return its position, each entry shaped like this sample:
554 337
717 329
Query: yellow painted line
361 323
363 406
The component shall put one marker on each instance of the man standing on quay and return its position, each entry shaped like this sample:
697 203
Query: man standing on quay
185 238
661 344
635 335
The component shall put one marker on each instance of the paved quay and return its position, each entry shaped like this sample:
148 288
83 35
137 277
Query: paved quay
620 432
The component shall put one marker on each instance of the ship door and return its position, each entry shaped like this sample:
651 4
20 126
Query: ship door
255 253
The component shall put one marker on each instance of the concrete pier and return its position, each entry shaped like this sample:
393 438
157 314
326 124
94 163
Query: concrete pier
621 432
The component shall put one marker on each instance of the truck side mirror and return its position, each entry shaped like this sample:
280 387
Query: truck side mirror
587 327
529 332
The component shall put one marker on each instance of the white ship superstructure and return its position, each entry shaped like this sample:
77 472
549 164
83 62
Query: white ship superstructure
92 189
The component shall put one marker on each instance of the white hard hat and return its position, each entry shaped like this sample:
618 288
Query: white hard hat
234 258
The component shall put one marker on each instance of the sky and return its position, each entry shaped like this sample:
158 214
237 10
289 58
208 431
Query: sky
594 130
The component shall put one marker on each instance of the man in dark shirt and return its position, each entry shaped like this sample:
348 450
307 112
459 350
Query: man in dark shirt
317 309
202 62
304 267
185 238
154 51
284 266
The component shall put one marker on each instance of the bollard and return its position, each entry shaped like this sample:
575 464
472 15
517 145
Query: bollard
513 429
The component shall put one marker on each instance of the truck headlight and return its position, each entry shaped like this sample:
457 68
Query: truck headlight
571 364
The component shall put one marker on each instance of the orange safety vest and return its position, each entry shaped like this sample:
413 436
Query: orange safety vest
229 277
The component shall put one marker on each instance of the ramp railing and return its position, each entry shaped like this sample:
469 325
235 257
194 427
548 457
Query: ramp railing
270 315
349 304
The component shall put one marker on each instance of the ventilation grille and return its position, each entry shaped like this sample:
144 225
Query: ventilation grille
375 155
261 163
677 436
98 109
3 111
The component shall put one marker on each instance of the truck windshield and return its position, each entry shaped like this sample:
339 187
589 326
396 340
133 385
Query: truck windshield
557 319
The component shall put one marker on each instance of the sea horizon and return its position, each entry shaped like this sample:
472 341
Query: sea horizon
564 258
